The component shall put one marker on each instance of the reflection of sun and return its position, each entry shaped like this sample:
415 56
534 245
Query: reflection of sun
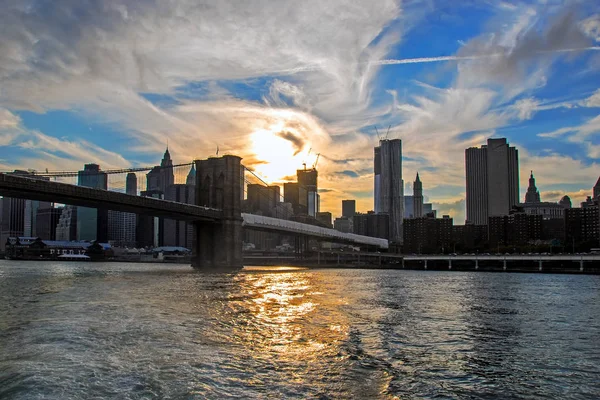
278 154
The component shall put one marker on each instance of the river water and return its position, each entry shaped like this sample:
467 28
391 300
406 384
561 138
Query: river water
110 330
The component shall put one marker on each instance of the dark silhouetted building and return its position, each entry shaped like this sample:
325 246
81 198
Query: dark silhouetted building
417 198
308 179
582 228
179 233
92 223
428 235
344 224
565 202
348 208
262 199
371 224
66 229
532 195
297 196
388 186
516 229
47 221
325 218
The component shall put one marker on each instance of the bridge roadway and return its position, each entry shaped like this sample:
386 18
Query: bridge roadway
36 189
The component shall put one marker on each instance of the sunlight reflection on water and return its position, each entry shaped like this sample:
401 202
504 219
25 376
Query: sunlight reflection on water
155 331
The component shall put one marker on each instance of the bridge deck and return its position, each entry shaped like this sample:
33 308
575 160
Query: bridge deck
36 189
282 225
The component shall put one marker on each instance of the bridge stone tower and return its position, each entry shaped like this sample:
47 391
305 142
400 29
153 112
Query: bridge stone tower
219 184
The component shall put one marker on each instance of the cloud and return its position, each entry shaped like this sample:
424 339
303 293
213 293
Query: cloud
593 100
297 141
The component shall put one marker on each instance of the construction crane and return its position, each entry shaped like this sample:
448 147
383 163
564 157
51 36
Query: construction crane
316 161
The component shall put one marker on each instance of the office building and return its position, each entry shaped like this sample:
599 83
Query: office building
308 179
428 210
18 216
532 195
148 228
492 180
344 224
66 229
348 208
297 196
409 206
325 218
179 233
371 224
388 185
46 222
596 190
161 177
92 223
122 225
262 200
131 184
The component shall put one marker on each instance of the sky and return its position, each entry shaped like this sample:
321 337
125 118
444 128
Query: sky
279 82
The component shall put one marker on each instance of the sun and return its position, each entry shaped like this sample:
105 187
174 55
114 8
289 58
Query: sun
279 155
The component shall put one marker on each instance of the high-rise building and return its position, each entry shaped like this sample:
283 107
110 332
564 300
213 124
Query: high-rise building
131 184
17 215
343 224
308 179
428 210
122 225
46 222
371 224
532 195
67 224
409 202
92 223
30 216
179 233
417 198
389 190
325 218
296 195
262 199
161 177
596 190
148 228
348 208
492 180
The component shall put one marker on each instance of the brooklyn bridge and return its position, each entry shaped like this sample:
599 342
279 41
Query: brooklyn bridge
217 216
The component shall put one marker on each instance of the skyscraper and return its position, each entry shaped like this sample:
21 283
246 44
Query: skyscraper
348 208
492 180
67 224
161 177
596 190
389 190
532 195
418 198
308 178
92 223
122 225
131 184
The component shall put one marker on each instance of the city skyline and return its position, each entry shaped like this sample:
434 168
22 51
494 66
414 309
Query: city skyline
132 78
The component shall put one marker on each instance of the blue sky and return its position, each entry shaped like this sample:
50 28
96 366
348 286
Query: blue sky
279 82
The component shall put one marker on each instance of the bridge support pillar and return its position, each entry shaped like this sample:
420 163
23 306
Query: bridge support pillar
476 264
504 265
581 265
425 263
219 184
540 262
449 264
402 262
